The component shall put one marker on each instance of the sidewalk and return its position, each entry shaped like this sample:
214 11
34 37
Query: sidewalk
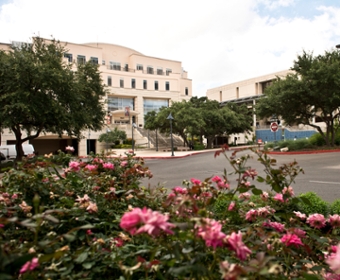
152 154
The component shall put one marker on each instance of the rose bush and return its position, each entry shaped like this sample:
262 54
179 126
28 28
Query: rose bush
66 218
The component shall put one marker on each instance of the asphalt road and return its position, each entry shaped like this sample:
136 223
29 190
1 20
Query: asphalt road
321 171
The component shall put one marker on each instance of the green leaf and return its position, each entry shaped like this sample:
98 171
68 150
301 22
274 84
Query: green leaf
88 226
260 179
310 276
82 257
256 191
88 265
69 237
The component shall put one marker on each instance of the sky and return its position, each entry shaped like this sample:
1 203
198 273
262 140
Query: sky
218 41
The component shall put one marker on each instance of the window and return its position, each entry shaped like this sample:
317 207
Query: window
145 84
126 68
121 83
114 65
109 80
167 86
150 105
103 62
133 83
81 59
159 71
139 67
156 85
168 71
150 70
186 91
94 60
68 56
119 103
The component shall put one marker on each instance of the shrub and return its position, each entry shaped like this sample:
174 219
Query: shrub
315 204
199 147
335 207
93 220
317 140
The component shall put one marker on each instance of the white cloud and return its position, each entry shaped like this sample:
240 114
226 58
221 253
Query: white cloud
218 41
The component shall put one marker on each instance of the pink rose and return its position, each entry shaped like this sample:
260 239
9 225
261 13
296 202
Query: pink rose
236 244
291 239
316 220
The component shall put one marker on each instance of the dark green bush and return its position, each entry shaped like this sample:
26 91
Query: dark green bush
335 207
317 140
316 205
199 147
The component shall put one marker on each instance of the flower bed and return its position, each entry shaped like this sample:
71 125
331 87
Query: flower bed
93 220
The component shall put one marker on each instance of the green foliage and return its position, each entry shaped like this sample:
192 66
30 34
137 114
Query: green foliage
71 222
292 145
298 101
40 93
128 141
199 147
113 136
335 207
316 204
317 140
200 116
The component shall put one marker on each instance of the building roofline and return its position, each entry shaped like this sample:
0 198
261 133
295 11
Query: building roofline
262 78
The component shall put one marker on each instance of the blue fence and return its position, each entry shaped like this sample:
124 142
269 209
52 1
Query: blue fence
266 135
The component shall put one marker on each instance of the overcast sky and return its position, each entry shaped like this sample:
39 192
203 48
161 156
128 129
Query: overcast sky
218 41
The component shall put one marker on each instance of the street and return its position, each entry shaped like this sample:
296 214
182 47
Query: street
321 171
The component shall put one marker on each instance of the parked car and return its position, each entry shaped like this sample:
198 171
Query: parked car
10 152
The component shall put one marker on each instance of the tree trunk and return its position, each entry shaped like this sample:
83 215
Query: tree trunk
210 142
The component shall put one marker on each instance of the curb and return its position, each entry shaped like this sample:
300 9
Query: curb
304 152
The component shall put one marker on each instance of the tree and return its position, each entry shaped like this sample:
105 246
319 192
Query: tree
201 116
112 136
40 93
313 91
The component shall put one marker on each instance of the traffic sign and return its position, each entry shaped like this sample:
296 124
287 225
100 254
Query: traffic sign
274 126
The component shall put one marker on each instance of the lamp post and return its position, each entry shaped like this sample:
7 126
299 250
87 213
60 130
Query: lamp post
133 142
89 143
156 141
172 141
107 140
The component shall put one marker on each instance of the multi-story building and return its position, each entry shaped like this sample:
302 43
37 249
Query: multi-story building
247 92
136 83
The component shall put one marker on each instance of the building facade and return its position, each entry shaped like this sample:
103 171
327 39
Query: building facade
136 84
248 92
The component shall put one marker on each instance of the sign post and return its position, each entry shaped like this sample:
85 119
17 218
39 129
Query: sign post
274 127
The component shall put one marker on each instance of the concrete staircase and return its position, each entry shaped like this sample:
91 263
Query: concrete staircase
145 138
164 141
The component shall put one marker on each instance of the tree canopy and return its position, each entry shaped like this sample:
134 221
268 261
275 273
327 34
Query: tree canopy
202 117
112 136
312 91
41 93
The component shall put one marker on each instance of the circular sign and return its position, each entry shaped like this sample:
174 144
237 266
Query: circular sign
274 126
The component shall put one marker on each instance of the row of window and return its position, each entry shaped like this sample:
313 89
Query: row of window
133 84
81 59
121 103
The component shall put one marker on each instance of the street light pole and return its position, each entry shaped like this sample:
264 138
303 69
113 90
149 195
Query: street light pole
133 142
172 141
89 143
107 139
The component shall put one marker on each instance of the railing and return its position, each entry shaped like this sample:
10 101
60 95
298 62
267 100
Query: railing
119 68
147 71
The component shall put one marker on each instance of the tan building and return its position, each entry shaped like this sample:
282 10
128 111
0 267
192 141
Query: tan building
136 85
248 92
